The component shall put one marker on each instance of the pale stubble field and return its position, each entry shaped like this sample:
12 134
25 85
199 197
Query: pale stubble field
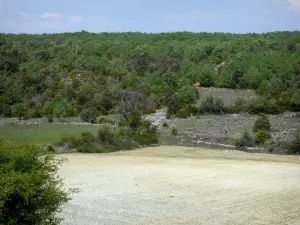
180 185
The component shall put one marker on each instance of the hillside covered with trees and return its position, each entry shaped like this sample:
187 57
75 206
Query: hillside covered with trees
65 74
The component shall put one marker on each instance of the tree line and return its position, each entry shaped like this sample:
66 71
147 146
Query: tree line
63 74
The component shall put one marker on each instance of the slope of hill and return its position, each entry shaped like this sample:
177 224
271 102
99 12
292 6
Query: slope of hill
87 70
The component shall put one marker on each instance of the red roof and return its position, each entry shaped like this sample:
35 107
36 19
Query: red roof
197 84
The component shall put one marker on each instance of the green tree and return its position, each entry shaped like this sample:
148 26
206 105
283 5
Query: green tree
30 191
20 110
60 109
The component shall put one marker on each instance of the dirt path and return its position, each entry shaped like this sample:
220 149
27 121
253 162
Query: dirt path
178 185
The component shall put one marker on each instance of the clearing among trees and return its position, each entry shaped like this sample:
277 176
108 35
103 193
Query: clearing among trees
181 185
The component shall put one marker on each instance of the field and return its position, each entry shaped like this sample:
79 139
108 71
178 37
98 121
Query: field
46 133
180 185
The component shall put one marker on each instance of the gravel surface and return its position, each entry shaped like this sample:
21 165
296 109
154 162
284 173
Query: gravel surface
180 185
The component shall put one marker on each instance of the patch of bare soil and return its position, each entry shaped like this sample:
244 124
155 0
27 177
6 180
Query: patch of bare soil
180 185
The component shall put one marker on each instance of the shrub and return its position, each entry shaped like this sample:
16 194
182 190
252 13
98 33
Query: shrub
174 131
89 115
271 107
50 148
188 94
6 110
262 136
146 134
168 116
31 192
262 105
212 105
134 120
106 134
239 106
34 113
70 141
123 123
87 137
19 110
294 146
188 111
165 124
102 120
246 140
174 104
255 106
50 118
122 132
262 123
192 110
109 139
182 114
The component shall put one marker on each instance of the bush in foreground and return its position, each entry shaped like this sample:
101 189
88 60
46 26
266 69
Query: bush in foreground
30 192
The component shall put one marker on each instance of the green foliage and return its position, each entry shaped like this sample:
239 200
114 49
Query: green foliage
89 115
212 105
58 107
50 119
34 113
255 106
134 120
163 67
103 120
106 134
20 110
192 110
174 104
294 146
60 110
246 140
261 136
262 123
113 139
146 134
182 113
31 193
262 105
188 94
71 109
174 131
165 124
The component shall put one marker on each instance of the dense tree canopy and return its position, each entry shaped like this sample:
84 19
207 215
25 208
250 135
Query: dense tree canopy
90 69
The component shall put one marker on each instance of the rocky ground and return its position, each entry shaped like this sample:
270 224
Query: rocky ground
180 185
225 128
